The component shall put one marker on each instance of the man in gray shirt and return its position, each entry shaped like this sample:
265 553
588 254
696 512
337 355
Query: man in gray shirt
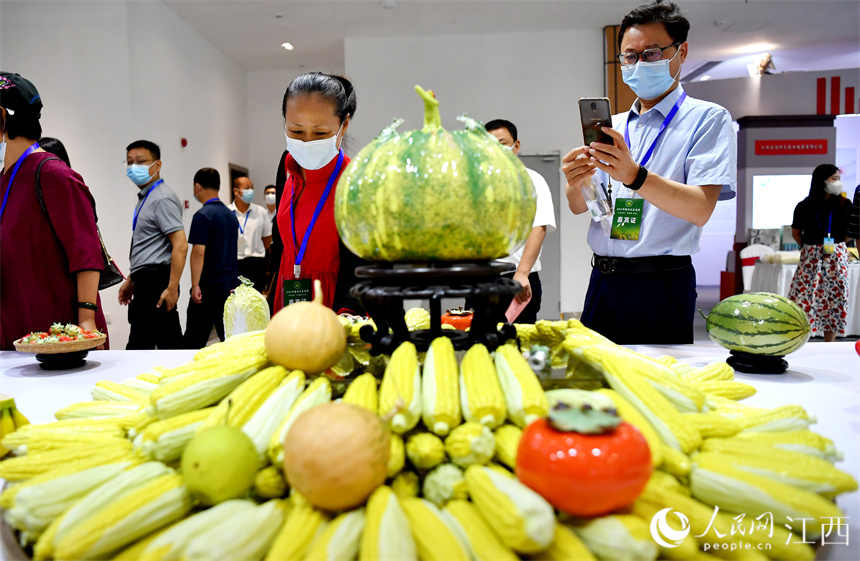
157 254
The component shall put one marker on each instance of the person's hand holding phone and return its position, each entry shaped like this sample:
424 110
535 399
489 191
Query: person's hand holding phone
615 159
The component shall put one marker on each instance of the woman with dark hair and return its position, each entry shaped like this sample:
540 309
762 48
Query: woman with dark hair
317 109
50 260
820 228
55 147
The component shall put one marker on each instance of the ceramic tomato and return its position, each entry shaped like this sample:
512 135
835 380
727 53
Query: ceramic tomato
857 346
584 461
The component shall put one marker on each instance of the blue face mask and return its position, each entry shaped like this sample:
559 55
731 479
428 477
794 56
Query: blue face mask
139 173
248 196
649 80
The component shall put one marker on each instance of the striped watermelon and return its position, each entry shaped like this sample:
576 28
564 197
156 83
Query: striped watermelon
759 323
431 194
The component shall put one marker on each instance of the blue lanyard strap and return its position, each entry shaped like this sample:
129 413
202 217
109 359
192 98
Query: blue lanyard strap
33 147
245 225
140 207
665 124
829 223
300 256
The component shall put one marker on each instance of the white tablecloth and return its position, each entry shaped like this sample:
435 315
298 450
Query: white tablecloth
823 377
776 278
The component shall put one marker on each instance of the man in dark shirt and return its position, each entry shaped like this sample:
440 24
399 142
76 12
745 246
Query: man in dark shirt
214 268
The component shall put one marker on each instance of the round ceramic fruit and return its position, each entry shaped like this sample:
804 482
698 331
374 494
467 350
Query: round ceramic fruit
219 463
431 194
306 336
336 454
857 347
758 323
583 459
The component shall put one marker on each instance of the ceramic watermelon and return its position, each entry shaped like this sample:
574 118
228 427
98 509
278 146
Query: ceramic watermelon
758 323
434 195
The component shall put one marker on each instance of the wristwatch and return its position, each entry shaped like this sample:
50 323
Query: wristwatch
641 176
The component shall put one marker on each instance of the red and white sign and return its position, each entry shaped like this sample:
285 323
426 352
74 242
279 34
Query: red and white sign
799 147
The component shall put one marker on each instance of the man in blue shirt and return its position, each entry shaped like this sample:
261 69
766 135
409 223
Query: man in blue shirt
214 268
672 158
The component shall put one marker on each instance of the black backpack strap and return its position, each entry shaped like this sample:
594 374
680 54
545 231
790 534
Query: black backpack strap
41 197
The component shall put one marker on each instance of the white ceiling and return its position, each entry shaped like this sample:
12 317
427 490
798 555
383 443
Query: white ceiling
808 34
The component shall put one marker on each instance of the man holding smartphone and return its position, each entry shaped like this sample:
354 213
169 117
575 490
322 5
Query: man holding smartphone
672 158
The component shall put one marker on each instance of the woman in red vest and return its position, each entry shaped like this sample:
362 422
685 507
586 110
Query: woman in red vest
317 109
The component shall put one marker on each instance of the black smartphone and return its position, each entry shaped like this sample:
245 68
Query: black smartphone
594 113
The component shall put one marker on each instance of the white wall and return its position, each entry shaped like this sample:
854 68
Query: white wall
533 79
110 73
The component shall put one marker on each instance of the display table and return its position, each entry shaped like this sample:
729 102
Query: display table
823 377
776 278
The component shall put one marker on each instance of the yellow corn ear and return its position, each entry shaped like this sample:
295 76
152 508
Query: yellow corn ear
425 450
524 396
405 485
785 418
483 541
730 389
712 425
523 520
98 410
317 392
31 433
440 389
165 440
715 480
470 443
63 440
481 395
400 391
386 535
803 441
295 537
668 481
566 546
507 441
139 512
134 552
243 402
396 456
269 483
340 540
711 372
783 545
434 538
618 537
31 465
244 538
362 392
631 415
445 483
108 390
686 550
675 462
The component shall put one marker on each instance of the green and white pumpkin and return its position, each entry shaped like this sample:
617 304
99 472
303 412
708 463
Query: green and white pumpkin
431 194
759 323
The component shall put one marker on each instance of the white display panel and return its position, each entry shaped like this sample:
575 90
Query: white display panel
774 198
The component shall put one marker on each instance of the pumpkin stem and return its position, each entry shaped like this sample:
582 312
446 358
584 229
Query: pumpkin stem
432 120
318 298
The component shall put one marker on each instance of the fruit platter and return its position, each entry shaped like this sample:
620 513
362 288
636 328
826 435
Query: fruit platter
63 346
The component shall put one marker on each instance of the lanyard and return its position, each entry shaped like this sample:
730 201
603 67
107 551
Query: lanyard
829 223
18 162
300 255
139 208
245 225
665 124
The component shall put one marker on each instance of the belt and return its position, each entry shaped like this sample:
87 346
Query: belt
655 264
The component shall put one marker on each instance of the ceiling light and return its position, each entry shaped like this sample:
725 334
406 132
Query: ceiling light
705 78
287 46
751 48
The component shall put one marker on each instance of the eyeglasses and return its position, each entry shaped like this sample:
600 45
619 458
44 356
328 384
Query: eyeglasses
648 55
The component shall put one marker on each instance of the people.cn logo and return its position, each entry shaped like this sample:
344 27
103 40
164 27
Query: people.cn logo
663 534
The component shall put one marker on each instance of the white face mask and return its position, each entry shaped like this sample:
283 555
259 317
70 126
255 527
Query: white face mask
270 198
314 154
833 187
2 153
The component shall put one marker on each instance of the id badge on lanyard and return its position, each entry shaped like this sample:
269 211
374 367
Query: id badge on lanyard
297 290
829 246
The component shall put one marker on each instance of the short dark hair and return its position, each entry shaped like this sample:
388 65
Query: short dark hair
55 147
208 178
817 187
667 13
502 124
270 187
153 148
336 89
23 123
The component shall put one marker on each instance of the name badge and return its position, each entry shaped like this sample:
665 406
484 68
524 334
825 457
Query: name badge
828 246
627 219
298 290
